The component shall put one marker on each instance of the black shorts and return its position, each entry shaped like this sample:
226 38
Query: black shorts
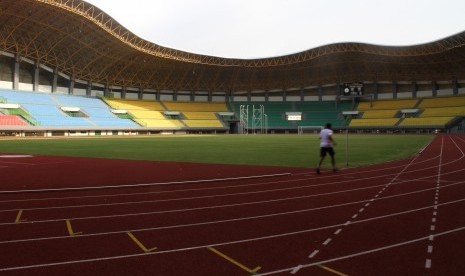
328 150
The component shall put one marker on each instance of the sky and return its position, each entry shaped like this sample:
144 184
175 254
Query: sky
250 29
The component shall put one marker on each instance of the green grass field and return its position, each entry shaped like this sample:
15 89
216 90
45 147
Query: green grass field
275 150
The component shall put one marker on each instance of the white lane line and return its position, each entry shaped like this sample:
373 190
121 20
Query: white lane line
296 269
433 226
15 156
119 257
396 177
313 254
231 220
266 191
327 241
218 206
362 252
338 231
143 185
307 186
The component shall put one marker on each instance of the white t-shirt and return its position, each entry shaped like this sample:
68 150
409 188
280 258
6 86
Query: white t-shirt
324 138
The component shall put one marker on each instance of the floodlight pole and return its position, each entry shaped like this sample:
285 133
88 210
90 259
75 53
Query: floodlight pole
347 142
347 115
346 120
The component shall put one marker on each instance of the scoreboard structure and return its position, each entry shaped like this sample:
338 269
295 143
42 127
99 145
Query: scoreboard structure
352 89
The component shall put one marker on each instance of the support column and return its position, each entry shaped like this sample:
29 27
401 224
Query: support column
320 93
414 89
455 87
89 89
249 96
175 96
55 80
376 90
71 85
395 88
192 97
157 95
105 91
210 97
284 95
140 95
36 77
124 90
267 96
434 88
302 94
16 74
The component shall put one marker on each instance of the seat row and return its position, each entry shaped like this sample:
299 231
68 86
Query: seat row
425 112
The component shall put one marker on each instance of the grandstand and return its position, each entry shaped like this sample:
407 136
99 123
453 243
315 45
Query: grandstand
70 83
424 113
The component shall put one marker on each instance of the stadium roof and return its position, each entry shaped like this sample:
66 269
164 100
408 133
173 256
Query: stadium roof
82 41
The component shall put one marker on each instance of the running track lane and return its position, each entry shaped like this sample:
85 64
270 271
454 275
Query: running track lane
400 218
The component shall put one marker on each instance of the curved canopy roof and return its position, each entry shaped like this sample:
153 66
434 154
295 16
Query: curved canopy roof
82 41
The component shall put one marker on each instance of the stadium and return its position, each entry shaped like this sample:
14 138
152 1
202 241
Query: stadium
224 202
78 50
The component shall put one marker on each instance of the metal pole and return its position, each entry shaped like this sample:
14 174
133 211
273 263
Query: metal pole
347 142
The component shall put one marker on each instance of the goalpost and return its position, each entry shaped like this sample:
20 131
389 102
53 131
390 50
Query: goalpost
309 129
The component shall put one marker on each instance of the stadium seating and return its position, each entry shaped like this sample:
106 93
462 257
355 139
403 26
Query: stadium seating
195 106
45 110
433 112
442 102
11 120
431 122
443 111
198 114
387 104
379 122
379 114
134 104
151 113
320 113
313 113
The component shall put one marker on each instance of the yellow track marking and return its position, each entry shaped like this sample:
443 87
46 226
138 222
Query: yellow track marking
134 239
70 229
253 271
18 217
332 270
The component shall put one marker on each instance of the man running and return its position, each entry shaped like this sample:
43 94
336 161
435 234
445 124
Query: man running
326 147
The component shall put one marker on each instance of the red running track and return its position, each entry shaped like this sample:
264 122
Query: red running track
82 216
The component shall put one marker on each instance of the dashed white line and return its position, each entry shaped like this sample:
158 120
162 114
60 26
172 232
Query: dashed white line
327 241
313 254
428 263
296 269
